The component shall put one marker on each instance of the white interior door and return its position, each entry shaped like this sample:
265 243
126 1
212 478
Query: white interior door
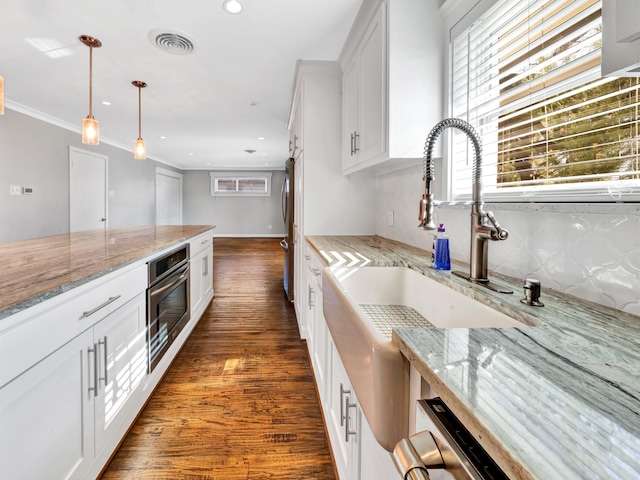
87 190
168 197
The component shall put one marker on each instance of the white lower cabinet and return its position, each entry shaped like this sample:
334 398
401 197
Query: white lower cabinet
46 416
201 278
75 405
344 418
121 345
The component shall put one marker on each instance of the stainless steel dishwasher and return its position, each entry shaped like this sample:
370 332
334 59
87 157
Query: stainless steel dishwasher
442 449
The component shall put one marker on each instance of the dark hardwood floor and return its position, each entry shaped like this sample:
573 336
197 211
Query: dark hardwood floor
239 401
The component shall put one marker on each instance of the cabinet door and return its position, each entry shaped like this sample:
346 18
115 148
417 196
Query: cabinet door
312 302
344 417
373 89
122 367
295 133
319 353
375 462
350 115
46 416
196 284
207 276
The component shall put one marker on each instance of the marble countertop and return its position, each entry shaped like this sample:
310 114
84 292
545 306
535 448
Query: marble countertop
38 269
557 398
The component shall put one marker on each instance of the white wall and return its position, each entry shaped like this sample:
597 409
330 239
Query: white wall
590 251
233 216
34 153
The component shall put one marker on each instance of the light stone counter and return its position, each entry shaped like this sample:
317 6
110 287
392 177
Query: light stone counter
35 270
560 400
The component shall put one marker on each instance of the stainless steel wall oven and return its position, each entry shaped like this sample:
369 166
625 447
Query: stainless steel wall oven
168 305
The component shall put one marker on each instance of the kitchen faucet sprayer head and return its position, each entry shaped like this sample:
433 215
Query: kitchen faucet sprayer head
425 216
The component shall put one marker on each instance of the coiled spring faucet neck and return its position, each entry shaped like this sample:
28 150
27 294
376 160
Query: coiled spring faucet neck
484 226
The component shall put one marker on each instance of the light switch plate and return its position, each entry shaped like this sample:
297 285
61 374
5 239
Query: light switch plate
15 190
390 218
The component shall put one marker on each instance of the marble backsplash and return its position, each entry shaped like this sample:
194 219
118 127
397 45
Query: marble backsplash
590 251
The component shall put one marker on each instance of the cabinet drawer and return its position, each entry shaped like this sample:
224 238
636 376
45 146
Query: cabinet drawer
314 264
62 318
200 243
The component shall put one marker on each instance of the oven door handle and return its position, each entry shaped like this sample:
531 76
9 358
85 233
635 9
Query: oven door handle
161 290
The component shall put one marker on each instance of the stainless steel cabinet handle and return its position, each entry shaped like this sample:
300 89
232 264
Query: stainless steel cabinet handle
311 305
93 350
205 266
356 149
99 307
343 392
104 358
351 151
317 272
347 406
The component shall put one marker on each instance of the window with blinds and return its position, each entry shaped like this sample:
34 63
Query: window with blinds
246 184
526 75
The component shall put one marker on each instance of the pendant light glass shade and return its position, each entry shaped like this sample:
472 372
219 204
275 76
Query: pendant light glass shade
90 131
1 96
139 147
90 126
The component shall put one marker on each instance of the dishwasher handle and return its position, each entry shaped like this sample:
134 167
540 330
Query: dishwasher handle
414 455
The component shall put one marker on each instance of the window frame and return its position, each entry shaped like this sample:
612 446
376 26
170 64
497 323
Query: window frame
598 192
215 177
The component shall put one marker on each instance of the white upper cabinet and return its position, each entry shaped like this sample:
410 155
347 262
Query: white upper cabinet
363 97
392 81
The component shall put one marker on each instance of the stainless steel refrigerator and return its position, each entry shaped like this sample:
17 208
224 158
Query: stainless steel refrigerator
288 242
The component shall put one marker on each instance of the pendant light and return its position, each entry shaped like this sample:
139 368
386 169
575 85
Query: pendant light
90 126
139 147
1 96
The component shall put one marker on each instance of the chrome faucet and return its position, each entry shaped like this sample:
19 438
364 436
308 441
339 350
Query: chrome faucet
484 225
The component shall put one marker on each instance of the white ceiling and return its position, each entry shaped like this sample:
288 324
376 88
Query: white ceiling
201 102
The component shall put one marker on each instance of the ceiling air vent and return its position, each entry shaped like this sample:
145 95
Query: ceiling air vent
173 42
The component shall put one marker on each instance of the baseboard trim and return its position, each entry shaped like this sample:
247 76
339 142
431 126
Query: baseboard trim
249 235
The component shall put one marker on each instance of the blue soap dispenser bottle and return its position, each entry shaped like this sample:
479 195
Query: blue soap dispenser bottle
441 252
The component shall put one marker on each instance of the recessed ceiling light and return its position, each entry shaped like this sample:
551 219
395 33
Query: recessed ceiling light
191 154
260 138
232 6
266 164
162 137
105 102
265 154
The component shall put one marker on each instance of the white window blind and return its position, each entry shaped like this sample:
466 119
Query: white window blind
226 183
527 76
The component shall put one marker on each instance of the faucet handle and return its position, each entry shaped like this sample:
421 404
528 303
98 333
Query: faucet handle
497 233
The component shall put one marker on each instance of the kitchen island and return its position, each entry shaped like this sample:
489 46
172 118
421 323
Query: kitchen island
74 355
41 268
558 397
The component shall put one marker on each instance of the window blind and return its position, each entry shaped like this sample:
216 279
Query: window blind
526 75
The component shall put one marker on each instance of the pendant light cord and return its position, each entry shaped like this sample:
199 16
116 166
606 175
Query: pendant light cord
90 81
139 112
